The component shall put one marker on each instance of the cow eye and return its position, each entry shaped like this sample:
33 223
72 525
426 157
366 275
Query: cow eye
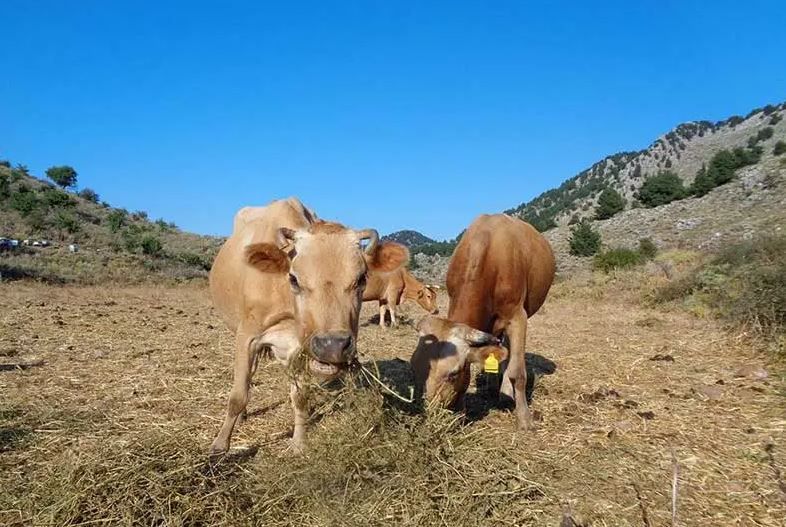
293 282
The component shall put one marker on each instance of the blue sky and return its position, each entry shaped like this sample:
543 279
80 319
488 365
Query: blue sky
378 114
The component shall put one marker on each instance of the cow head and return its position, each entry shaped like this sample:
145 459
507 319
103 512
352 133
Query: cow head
426 297
444 353
326 267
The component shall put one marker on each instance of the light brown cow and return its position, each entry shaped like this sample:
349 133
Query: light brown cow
391 289
499 276
287 283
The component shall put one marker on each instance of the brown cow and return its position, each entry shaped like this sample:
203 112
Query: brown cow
287 283
499 276
391 289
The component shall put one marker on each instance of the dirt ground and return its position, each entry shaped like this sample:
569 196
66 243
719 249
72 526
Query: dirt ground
636 394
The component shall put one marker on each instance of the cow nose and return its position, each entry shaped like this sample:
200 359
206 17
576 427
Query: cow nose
334 348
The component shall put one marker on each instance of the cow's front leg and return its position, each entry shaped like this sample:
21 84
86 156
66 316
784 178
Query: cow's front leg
298 394
392 308
238 397
516 373
382 311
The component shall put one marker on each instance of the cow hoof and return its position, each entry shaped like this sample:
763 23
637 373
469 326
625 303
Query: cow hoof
296 447
218 448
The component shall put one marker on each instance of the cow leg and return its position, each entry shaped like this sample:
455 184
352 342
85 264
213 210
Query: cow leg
238 397
382 311
254 364
298 395
392 308
516 372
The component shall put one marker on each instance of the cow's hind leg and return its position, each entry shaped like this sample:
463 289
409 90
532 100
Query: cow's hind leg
382 310
515 380
238 397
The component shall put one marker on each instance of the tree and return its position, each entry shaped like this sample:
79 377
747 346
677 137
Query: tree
65 221
661 188
702 183
63 176
89 194
610 202
584 240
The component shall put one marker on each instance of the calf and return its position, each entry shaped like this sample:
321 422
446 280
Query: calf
498 277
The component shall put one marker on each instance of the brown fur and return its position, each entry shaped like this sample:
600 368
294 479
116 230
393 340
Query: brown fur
498 277
392 288
280 302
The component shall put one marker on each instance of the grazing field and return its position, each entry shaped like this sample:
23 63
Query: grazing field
116 394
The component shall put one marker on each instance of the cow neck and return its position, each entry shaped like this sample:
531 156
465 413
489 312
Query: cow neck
411 285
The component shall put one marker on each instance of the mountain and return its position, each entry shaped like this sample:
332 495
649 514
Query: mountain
683 151
113 244
408 238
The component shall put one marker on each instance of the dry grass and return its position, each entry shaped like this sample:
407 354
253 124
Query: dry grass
113 428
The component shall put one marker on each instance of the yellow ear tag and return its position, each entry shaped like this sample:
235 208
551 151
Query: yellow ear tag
491 365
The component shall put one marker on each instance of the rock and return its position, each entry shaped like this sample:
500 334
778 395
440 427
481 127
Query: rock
713 392
751 371
688 224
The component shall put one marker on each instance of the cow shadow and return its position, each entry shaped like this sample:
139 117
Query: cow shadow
487 397
402 318
397 376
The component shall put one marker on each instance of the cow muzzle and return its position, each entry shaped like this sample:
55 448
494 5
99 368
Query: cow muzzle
333 351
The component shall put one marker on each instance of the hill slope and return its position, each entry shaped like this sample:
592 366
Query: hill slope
114 244
408 237
683 150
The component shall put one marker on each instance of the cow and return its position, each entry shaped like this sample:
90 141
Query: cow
391 289
498 277
290 287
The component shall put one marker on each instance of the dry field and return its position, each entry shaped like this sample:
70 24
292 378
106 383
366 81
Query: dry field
125 388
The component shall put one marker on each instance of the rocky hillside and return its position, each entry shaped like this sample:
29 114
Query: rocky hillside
683 151
113 243
408 238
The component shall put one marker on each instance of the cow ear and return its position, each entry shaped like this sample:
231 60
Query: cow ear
387 256
474 337
267 258
479 355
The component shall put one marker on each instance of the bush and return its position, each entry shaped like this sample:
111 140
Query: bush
89 194
202 262
618 258
765 133
647 249
584 240
779 148
24 201
115 220
140 215
661 188
5 186
66 221
63 176
57 199
744 284
151 245
775 119
610 202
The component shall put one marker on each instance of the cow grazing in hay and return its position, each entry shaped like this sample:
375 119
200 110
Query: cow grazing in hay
290 287
498 277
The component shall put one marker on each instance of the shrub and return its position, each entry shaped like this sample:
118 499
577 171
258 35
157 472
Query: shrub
140 215
63 176
57 199
779 148
202 262
610 202
702 183
647 249
151 245
24 201
5 163
661 188
765 133
89 194
116 219
618 258
775 119
5 186
744 284
584 240
66 221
